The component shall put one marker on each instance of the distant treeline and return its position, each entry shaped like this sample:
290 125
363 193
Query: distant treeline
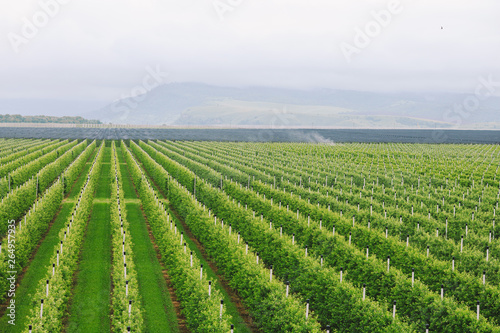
17 118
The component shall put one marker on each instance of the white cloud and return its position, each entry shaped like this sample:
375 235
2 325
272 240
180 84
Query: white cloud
99 49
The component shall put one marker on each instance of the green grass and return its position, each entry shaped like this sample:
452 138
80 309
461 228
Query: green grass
128 186
103 190
159 314
90 306
36 271
89 311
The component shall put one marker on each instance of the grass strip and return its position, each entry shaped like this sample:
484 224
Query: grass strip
90 307
159 314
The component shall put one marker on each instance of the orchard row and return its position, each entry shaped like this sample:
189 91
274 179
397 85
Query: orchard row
292 237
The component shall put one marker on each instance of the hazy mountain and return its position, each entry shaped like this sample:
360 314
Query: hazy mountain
201 104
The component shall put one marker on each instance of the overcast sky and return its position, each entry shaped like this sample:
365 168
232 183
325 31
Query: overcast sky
100 50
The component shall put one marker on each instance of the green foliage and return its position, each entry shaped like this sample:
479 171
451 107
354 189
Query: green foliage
201 311
289 256
11 170
18 201
307 190
55 305
17 118
384 285
74 170
28 233
20 152
429 271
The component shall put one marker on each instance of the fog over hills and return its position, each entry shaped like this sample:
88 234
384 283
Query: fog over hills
208 105
201 104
